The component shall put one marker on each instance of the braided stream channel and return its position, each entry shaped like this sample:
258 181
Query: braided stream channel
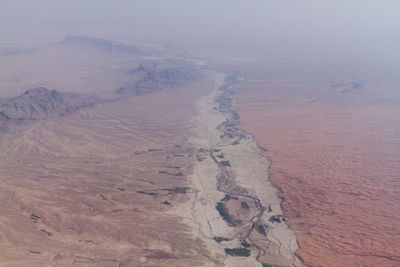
247 221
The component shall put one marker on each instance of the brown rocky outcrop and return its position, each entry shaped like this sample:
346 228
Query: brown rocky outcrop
40 103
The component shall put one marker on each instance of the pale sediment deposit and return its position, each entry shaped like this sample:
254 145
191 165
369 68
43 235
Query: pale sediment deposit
236 211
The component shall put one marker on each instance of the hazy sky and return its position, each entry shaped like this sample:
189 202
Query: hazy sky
298 28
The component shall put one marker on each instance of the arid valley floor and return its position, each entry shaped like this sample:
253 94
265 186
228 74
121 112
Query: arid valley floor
116 154
137 154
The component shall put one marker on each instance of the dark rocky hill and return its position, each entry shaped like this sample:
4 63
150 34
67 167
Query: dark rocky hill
40 103
153 77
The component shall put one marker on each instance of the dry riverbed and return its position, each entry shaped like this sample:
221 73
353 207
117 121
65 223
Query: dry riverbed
235 211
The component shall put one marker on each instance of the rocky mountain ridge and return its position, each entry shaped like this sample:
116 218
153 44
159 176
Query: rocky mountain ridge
106 45
40 103
153 77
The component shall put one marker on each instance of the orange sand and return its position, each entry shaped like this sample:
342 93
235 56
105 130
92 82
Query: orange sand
336 160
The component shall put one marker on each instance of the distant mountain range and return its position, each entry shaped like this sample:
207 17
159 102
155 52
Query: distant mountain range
105 45
42 103
148 77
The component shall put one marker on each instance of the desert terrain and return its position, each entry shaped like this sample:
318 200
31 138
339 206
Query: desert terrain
331 134
116 154
89 181
234 190
199 133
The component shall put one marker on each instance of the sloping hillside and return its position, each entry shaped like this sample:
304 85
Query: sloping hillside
39 103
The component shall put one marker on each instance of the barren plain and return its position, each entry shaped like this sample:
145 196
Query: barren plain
116 154
332 136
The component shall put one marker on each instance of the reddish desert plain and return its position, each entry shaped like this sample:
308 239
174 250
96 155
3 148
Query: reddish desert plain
332 135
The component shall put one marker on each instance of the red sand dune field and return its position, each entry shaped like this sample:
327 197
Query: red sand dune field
335 153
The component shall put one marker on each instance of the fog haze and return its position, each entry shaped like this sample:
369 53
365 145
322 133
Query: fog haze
316 30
